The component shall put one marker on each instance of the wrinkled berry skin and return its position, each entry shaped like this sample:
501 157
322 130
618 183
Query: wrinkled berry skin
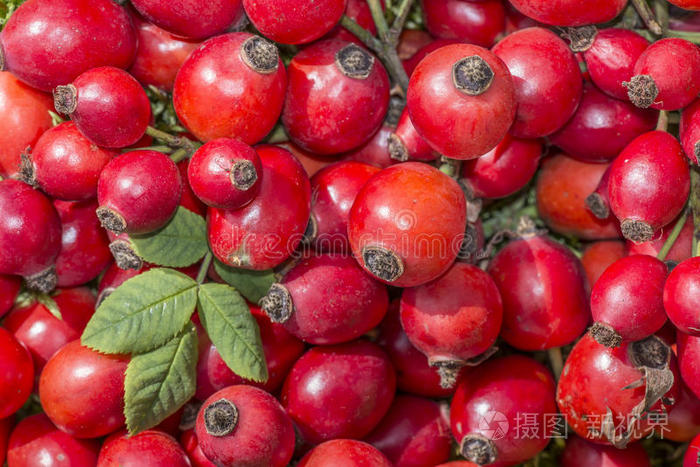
47 43
547 80
339 391
16 374
579 452
599 255
682 296
263 433
478 23
509 386
149 448
456 124
245 103
689 361
143 187
570 12
544 292
303 21
265 232
190 18
9 288
82 391
344 453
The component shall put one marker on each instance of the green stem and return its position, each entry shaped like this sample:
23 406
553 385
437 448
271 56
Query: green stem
629 18
647 16
661 11
662 122
693 37
556 360
375 7
361 33
671 240
167 138
397 25
695 207
204 268
180 155
163 149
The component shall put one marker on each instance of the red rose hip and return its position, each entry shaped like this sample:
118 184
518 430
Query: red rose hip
344 453
150 448
478 23
570 12
681 296
16 374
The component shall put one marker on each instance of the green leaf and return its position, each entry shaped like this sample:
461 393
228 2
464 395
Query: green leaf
143 313
161 381
50 304
253 285
233 330
182 242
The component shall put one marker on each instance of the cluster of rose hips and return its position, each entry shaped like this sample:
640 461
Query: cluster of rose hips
393 334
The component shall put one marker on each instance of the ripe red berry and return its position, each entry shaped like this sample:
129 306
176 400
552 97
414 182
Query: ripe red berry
579 452
681 249
599 255
411 61
405 143
547 80
690 131
107 105
689 361
247 100
9 288
453 319
496 393
359 11
189 200
681 296
686 4
691 455
189 442
243 425
265 232
339 391
344 453
376 151
150 448
16 374
138 192
294 23
461 99
82 391
570 12
684 416
92 34
544 292
113 277
30 232
407 224
649 184
478 23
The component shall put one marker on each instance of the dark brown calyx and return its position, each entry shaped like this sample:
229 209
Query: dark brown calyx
243 175
472 75
260 55
598 206
277 304
605 335
311 231
651 352
636 231
125 257
581 38
641 90
354 61
220 417
397 150
478 449
44 281
448 371
27 174
110 220
383 263
65 99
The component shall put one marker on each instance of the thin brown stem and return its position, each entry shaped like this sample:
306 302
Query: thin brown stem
375 7
647 15
397 25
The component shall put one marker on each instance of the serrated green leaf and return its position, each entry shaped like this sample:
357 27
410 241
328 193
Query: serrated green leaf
182 242
161 381
233 330
50 304
253 285
143 313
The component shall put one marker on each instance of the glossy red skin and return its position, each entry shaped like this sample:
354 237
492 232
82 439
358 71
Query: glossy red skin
454 318
511 385
312 162
410 63
112 109
160 54
334 189
36 441
281 350
326 112
42 333
686 4
150 448
602 127
209 173
402 206
5 428
416 147
26 112
16 374
684 416
144 187
681 249
681 296
453 123
547 80
67 165
344 453
599 255
244 104
411 41
689 361
264 433
297 22
579 452
189 442
266 231
610 60
413 433
113 278
478 23
690 131
649 180
190 18
674 64
413 373
570 12
359 11
562 187
503 170
339 391
189 200
9 288
516 20
334 300
691 455
376 151
544 292
629 297
47 43
82 391
30 227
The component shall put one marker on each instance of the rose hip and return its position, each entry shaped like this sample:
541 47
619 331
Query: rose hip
405 143
689 361
681 296
478 23
189 442
570 12
374 152
681 249
9 288
149 448
690 131
579 452
599 255
16 374
684 416
344 453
